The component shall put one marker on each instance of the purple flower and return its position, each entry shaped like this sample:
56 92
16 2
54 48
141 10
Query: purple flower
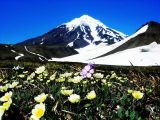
87 71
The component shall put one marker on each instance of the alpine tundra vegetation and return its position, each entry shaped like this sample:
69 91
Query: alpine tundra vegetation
54 92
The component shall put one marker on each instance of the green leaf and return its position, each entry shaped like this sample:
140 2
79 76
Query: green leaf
87 105
120 113
132 115
127 113
123 99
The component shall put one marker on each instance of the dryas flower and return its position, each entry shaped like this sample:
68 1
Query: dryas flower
77 79
66 92
130 91
6 97
41 98
3 88
7 104
2 109
91 95
25 72
137 95
45 73
52 77
61 79
40 70
38 111
48 81
74 98
108 76
31 76
13 85
114 75
98 75
119 78
87 71
109 84
85 82
104 81
66 75
21 75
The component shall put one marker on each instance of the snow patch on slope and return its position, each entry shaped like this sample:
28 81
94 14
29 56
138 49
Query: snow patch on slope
19 56
134 56
13 51
35 53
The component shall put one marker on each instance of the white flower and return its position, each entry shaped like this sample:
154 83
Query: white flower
21 75
98 75
13 85
6 97
25 72
113 75
91 95
109 84
60 79
1 79
45 73
2 109
48 81
52 77
77 79
85 82
7 104
130 91
41 98
66 92
108 76
104 81
3 88
40 70
137 95
31 76
66 75
74 98
38 111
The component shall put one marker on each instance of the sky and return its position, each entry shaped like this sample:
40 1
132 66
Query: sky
24 19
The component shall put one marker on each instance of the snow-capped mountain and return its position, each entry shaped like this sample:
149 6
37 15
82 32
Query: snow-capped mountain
140 49
78 33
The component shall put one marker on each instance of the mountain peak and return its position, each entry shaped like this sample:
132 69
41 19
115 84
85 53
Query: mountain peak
153 27
84 20
85 17
152 23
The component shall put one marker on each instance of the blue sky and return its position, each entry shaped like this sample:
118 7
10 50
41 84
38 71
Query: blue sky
23 19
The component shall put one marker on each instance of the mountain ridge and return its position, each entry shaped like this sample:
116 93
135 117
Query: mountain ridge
151 34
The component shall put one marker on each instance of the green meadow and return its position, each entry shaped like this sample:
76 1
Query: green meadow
57 91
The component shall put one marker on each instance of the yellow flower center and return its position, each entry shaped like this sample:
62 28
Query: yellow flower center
39 113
